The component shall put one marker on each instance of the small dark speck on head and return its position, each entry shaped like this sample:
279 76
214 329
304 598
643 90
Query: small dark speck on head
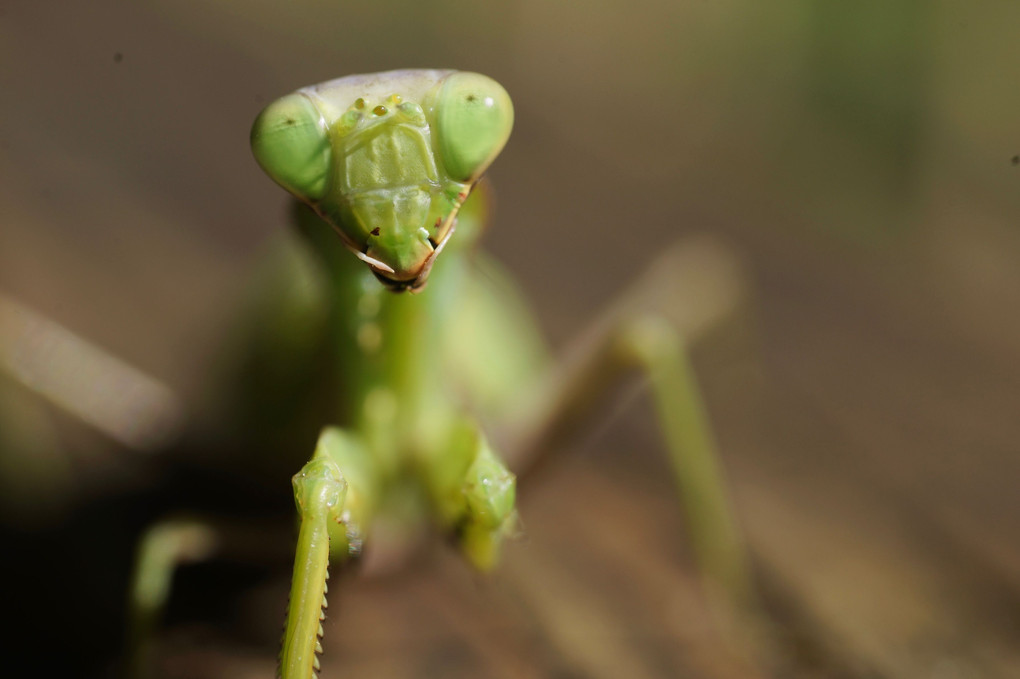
471 97
375 231
1016 160
118 57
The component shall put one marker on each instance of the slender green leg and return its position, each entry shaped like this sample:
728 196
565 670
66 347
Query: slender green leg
659 351
163 547
319 490
333 505
648 329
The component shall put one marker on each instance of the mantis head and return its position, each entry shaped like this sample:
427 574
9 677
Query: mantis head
387 159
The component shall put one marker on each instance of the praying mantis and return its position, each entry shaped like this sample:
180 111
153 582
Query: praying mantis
441 390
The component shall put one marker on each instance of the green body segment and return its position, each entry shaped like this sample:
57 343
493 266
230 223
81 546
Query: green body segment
408 366
387 160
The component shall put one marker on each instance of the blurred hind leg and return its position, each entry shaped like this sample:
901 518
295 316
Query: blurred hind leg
649 329
163 548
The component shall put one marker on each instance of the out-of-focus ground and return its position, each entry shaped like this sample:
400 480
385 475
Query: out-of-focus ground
862 161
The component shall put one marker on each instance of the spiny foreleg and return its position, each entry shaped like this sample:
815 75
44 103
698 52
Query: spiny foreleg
327 499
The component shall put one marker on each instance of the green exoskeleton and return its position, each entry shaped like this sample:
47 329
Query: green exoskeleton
431 347
387 160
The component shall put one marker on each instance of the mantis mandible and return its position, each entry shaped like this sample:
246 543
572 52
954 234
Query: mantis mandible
431 345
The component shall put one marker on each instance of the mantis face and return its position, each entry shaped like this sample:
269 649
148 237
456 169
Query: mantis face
386 159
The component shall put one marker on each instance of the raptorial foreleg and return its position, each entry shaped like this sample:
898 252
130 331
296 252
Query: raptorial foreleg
334 495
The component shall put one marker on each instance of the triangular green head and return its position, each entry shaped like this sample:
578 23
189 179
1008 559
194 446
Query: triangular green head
387 159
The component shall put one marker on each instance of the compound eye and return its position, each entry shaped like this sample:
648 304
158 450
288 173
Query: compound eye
474 116
290 141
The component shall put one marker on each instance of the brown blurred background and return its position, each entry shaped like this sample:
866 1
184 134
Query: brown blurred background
861 159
